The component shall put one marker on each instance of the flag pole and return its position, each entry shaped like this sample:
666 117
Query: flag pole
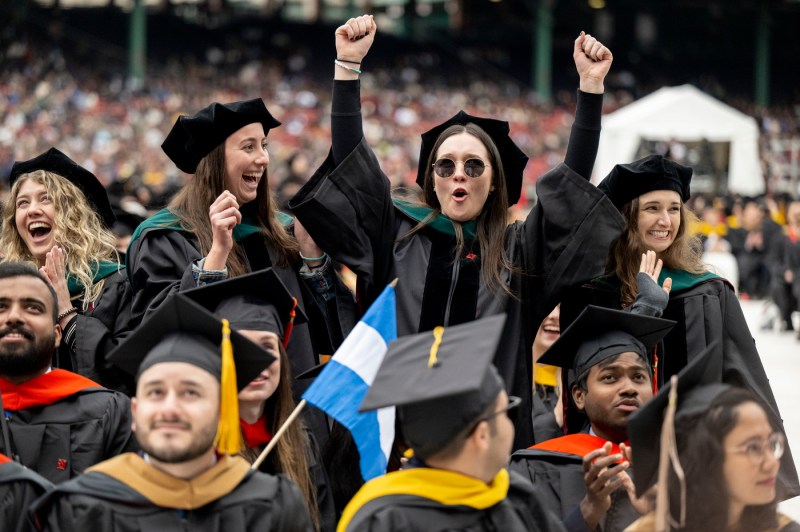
274 440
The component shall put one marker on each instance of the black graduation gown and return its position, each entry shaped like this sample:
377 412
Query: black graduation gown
62 439
521 511
349 211
19 487
319 476
704 312
557 478
160 263
97 331
97 502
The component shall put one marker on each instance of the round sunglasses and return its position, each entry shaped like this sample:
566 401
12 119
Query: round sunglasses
445 167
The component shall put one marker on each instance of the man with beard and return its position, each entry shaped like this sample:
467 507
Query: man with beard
582 476
189 475
55 422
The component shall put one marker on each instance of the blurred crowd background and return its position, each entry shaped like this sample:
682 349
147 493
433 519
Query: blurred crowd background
65 81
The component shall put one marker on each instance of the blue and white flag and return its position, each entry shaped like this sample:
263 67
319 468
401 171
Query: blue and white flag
341 386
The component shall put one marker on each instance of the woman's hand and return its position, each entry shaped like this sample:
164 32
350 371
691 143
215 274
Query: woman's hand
308 248
224 215
354 38
593 61
652 268
55 272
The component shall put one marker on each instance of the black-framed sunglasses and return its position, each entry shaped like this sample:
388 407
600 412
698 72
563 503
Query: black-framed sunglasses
445 167
511 410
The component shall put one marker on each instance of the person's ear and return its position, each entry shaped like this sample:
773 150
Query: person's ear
57 334
579 397
133 414
481 436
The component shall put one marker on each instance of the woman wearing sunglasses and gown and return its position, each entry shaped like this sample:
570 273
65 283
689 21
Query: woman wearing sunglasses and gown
455 255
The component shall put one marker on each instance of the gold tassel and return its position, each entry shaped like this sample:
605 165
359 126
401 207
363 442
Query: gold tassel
668 456
438 332
229 435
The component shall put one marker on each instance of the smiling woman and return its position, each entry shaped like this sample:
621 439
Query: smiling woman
58 217
651 194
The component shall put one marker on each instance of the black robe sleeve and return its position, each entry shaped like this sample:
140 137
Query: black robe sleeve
160 264
97 332
19 487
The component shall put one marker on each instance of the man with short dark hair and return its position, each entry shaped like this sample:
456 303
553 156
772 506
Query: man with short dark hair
583 475
56 422
189 367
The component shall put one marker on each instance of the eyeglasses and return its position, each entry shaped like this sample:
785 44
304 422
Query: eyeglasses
446 167
510 409
756 451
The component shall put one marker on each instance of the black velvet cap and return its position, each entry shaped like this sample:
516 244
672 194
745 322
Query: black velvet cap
440 380
193 137
599 333
512 157
57 162
183 331
258 301
698 386
654 172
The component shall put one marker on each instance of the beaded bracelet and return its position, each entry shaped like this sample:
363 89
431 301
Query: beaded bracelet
312 259
344 66
66 313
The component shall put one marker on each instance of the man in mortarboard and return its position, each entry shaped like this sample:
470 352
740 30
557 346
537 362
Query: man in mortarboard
259 307
582 475
186 422
454 413
54 421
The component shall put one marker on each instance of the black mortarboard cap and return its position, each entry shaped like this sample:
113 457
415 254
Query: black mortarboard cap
599 333
257 301
654 172
512 157
180 330
699 384
440 380
57 162
193 137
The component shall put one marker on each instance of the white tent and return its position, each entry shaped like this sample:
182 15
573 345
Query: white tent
684 114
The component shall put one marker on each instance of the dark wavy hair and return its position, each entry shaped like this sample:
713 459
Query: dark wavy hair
700 439
491 223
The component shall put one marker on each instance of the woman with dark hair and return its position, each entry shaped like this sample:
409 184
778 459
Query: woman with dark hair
455 255
58 217
225 223
651 194
723 470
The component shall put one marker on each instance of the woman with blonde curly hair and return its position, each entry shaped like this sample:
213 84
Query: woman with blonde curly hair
58 218
651 193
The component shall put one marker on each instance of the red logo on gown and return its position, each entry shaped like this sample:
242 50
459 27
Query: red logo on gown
61 464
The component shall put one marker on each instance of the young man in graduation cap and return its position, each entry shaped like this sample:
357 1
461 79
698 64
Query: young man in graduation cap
55 422
186 422
582 475
453 412
259 307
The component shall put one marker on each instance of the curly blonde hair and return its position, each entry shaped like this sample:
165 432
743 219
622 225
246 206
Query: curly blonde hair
78 230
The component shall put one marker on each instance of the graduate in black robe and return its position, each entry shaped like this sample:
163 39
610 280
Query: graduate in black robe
69 236
188 477
453 411
703 304
56 422
224 223
19 488
582 476
349 210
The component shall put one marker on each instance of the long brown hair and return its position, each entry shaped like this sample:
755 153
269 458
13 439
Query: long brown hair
491 223
684 253
192 202
290 455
